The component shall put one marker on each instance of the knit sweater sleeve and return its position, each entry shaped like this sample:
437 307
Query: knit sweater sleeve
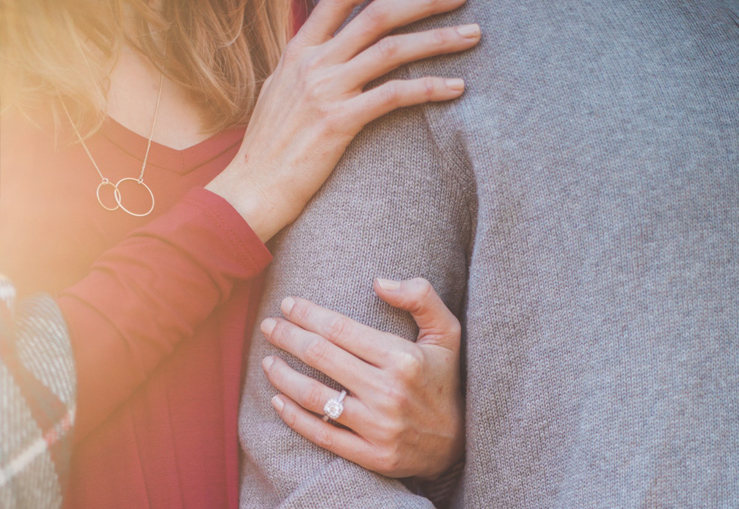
144 296
395 208
37 400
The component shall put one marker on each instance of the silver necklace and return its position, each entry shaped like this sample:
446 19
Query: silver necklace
116 187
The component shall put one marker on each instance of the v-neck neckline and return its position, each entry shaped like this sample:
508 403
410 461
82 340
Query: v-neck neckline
179 161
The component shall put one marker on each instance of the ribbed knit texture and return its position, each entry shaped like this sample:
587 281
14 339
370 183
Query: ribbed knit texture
37 401
591 173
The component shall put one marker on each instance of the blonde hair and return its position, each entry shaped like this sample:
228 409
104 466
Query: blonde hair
221 51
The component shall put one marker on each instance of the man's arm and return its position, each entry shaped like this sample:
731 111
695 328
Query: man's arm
395 208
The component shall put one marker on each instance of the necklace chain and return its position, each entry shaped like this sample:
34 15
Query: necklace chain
153 124
104 180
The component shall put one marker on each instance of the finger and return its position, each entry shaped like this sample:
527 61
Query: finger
364 342
311 394
380 18
325 20
393 51
436 323
321 354
395 94
336 440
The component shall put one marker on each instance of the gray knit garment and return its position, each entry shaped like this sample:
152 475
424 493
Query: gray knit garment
578 209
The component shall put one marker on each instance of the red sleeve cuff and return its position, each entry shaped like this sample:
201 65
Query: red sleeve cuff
227 222
151 291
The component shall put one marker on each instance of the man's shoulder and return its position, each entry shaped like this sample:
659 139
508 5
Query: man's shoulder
578 66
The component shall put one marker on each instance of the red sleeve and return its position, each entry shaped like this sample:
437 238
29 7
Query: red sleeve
151 291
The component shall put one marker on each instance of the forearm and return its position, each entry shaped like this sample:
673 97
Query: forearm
144 296
385 213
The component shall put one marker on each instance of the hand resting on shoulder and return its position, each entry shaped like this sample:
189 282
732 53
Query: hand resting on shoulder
315 102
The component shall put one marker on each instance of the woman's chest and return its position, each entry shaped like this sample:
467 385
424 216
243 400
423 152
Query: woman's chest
52 224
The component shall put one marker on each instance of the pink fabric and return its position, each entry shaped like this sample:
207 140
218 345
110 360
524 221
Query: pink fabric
301 10
157 308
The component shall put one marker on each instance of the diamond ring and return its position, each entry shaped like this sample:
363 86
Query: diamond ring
334 407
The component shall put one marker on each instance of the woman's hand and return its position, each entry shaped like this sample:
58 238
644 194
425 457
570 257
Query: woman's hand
404 409
314 103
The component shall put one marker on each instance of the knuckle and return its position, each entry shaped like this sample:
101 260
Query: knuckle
422 286
329 125
428 85
316 351
338 328
441 37
441 5
306 67
396 399
432 5
276 371
318 91
313 397
325 113
301 311
323 438
334 4
392 431
421 291
387 48
313 97
376 17
290 417
307 82
455 328
390 460
342 4
292 52
409 365
391 92
281 333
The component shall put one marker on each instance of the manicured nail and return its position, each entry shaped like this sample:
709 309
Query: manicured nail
388 284
287 305
469 31
267 362
278 404
455 84
268 325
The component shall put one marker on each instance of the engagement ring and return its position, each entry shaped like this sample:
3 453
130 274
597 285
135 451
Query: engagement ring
334 407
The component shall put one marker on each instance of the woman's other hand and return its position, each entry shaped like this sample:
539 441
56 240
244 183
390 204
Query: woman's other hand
314 104
404 409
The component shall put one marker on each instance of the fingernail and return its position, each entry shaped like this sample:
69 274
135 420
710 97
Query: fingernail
287 305
268 325
455 84
469 31
267 362
388 284
278 404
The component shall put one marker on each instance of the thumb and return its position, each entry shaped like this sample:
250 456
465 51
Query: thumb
437 325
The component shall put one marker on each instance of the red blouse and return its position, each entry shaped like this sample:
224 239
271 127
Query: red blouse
157 307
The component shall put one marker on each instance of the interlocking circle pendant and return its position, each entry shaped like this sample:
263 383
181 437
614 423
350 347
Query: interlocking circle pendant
102 184
120 204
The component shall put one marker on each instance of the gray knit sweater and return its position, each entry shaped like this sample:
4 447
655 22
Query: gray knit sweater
578 209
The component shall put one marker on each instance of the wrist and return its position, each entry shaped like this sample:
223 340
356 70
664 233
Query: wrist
440 490
252 204
442 469
454 451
